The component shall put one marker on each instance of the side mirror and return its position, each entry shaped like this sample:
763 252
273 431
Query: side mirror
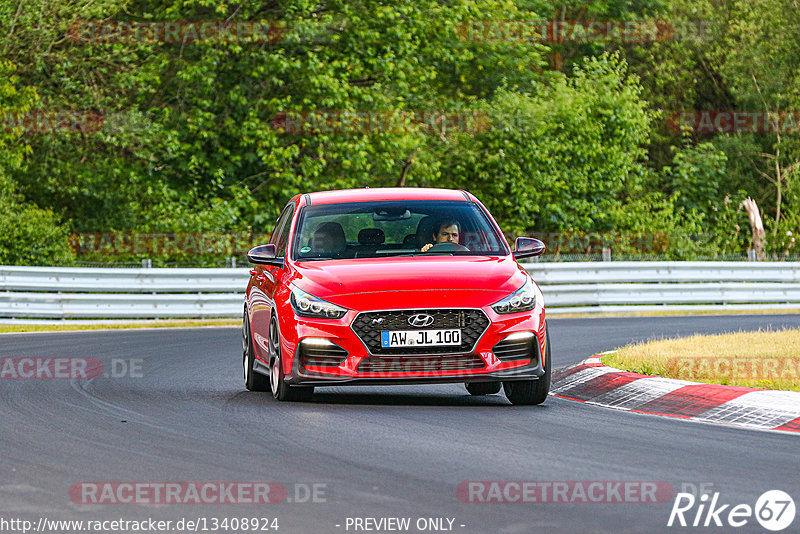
264 255
525 247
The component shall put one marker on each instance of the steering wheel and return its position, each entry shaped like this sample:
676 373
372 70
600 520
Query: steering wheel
448 247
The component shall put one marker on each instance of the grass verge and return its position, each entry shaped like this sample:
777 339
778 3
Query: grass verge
12 328
763 359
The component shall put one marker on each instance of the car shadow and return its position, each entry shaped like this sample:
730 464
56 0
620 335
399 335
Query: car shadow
350 397
374 398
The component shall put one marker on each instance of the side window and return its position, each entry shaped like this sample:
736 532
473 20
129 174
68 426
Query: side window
278 224
282 231
285 214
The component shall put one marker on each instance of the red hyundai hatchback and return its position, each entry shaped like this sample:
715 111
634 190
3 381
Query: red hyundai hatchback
393 286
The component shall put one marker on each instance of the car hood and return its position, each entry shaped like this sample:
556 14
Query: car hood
434 281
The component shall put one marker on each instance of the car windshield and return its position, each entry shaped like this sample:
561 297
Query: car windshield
382 229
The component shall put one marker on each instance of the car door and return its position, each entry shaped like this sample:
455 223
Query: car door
267 278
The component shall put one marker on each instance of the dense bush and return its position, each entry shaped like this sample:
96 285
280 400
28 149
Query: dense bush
578 139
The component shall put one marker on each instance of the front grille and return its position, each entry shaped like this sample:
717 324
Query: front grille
510 350
368 326
426 364
322 355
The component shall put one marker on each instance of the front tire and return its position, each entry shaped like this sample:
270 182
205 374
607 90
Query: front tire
527 392
483 388
280 389
252 381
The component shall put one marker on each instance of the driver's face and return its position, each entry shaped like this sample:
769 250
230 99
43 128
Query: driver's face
447 234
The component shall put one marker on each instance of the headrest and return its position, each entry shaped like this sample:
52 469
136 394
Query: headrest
371 236
425 231
329 237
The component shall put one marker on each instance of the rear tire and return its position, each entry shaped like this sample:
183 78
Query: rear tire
252 381
483 388
527 392
280 389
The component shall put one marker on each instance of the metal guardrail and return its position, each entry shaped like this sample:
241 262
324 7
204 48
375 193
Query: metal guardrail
654 286
80 293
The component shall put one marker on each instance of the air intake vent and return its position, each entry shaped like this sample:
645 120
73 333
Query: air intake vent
516 347
322 354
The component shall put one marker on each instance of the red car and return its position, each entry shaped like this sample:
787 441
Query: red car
393 286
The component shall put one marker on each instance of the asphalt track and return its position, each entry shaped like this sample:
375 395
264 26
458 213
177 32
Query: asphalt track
379 452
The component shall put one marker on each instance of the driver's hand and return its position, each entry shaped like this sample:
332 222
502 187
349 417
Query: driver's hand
426 247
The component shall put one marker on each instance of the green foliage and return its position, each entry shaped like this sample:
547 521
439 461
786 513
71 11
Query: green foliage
31 236
563 156
695 177
578 138
738 55
28 235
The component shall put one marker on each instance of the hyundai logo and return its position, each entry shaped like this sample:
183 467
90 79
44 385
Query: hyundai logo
420 320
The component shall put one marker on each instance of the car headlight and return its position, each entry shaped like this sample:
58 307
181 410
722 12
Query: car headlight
307 305
523 299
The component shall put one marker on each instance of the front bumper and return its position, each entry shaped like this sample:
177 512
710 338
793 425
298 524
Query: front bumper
361 366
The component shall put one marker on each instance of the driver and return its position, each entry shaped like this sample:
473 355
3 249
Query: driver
447 232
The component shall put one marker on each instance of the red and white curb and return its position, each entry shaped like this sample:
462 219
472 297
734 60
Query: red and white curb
594 383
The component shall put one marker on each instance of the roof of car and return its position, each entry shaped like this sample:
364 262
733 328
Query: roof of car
386 193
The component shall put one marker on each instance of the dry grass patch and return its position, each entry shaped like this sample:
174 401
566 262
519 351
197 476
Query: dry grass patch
763 359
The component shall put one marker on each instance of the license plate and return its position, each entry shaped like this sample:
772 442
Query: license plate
420 338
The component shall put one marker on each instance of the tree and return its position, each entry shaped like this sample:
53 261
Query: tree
562 156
